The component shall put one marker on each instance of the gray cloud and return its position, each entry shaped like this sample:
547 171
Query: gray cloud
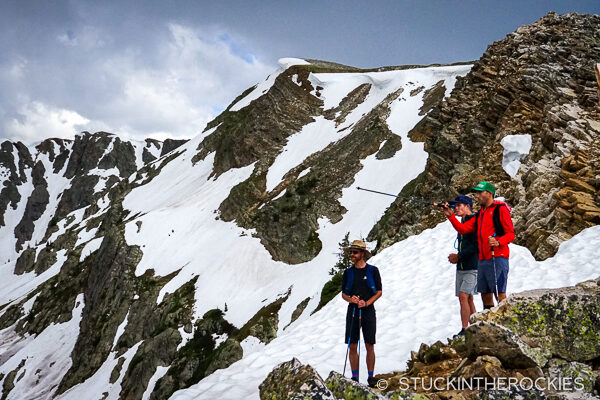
158 68
167 79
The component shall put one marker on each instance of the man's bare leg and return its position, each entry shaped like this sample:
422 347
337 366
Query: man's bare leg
488 300
370 356
465 308
353 356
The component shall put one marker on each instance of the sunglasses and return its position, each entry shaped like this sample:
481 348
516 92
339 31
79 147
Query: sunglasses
354 251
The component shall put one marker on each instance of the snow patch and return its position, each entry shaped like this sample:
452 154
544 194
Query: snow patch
120 330
219 339
47 357
159 373
90 247
516 147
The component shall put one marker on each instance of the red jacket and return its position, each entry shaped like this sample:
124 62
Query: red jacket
485 229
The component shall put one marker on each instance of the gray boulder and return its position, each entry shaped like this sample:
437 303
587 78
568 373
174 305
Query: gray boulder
488 338
294 381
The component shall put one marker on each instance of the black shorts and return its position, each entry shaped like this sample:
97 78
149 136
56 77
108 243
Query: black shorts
368 322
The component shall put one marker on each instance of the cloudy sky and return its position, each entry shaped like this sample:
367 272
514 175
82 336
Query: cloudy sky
165 68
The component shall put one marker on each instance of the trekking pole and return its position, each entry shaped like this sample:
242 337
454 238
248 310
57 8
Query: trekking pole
429 203
359 326
349 339
495 278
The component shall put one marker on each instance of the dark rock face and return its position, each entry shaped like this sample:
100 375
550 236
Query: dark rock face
26 261
432 97
106 289
257 132
36 205
80 194
539 81
287 225
86 152
171 144
201 355
122 157
16 174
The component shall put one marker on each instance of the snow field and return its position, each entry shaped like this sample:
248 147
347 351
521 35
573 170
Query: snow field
418 306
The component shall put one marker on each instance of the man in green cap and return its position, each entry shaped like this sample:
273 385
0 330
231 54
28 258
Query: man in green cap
494 228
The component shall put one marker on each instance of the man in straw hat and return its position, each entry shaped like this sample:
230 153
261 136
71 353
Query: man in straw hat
361 287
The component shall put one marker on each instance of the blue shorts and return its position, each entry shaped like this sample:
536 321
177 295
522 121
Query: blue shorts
485 275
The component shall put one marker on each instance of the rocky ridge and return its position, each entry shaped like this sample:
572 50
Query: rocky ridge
538 81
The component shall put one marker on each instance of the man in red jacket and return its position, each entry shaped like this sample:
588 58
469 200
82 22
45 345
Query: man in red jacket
494 229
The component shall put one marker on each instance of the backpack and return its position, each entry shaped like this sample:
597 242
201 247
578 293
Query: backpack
370 280
498 228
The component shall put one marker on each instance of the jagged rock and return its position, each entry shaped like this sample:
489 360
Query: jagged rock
389 148
16 174
437 352
226 354
432 97
25 262
582 376
294 381
346 388
488 338
200 356
485 367
298 311
564 322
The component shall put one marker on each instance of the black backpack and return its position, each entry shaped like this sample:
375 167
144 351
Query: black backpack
495 219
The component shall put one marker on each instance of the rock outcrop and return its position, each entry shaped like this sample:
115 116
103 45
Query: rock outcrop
514 351
538 81
562 322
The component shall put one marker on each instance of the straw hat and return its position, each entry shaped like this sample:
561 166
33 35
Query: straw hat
358 245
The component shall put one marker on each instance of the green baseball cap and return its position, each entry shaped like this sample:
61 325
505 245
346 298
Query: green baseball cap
484 186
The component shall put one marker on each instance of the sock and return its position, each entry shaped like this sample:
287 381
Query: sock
370 374
487 307
355 373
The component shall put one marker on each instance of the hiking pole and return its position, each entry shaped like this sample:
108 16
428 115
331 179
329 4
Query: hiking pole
429 203
359 326
495 278
349 339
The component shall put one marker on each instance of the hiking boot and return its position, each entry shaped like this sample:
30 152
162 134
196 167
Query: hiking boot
372 382
459 334
355 379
